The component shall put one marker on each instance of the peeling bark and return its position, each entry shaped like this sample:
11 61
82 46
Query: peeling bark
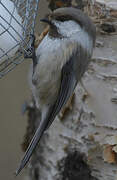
83 144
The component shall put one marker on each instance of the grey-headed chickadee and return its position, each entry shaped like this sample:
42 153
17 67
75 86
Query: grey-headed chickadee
61 60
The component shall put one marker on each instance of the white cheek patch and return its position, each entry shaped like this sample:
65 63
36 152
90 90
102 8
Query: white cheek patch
73 31
68 28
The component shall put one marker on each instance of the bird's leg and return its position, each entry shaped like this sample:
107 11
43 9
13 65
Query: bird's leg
35 40
67 107
31 51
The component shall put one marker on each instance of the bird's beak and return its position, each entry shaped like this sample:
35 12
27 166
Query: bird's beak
45 20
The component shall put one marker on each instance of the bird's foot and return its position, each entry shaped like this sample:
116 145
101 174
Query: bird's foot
67 107
34 42
30 52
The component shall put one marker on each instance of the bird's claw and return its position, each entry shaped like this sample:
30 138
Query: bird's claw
30 52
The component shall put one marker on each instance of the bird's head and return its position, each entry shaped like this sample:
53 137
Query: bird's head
62 21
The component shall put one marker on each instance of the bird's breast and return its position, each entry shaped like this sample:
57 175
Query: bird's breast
48 70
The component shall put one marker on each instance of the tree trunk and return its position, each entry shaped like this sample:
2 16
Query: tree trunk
82 143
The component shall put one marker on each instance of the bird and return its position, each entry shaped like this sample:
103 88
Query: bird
60 61
10 30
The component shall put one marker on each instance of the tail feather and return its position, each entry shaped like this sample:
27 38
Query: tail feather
37 136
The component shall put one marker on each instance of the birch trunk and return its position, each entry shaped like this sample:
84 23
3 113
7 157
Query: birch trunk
82 143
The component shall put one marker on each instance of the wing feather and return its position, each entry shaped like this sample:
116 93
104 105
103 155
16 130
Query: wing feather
68 84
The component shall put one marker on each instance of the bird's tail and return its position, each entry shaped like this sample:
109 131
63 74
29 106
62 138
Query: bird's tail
37 136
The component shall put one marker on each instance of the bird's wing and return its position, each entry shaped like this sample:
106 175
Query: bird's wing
68 84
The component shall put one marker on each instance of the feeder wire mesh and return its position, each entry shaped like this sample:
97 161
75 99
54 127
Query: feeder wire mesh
17 22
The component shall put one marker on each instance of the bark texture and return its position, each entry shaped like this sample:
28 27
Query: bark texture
82 143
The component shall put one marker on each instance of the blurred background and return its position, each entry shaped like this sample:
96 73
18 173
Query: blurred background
14 90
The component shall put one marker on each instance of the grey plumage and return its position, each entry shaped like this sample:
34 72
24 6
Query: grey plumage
62 58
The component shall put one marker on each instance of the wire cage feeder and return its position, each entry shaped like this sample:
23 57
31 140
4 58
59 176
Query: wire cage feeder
17 22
